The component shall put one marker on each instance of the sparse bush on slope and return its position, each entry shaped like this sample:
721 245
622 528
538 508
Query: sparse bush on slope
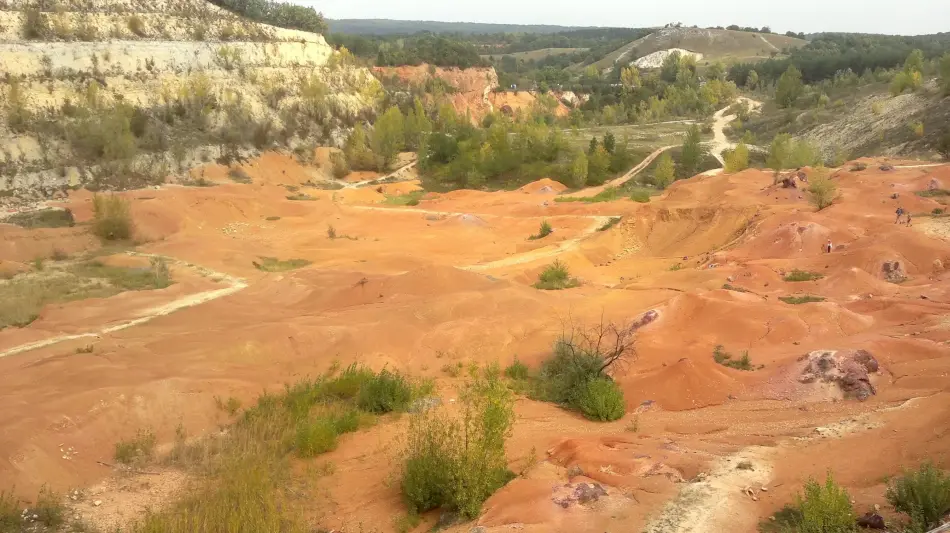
922 494
825 508
112 217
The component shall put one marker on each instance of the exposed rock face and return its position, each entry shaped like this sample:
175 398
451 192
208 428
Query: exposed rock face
578 494
893 272
872 521
848 369
934 184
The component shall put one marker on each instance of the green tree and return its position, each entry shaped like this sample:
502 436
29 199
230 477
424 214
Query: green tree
738 159
944 71
692 151
665 171
914 62
716 71
630 78
593 146
357 150
752 81
822 190
388 138
610 142
780 152
943 145
579 171
789 87
417 126
598 166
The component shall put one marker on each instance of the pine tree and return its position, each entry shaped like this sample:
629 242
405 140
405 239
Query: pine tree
789 87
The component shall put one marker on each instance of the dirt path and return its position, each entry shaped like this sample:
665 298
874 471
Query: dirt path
766 41
719 143
392 174
191 300
632 173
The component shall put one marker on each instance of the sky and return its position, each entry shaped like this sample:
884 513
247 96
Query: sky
905 17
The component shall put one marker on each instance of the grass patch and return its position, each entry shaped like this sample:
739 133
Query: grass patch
112 218
23 297
933 193
922 494
799 300
43 218
726 359
610 223
543 231
730 287
47 514
272 264
609 194
802 275
385 393
409 199
272 219
455 462
239 175
555 277
246 483
301 197
136 450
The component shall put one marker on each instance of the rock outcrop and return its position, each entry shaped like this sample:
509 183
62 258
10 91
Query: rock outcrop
849 370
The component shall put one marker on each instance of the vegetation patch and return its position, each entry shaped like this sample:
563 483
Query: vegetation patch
272 264
112 218
518 370
24 296
823 508
726 359
239 175
43 218
609 194
799 300
923 495
410 199
733 288
802 275
138 449
301 197
555 277
934 193
641 196
47 513
543 231
455 462
610 223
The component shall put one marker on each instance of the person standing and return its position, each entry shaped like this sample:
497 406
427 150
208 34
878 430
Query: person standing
829 247
900 215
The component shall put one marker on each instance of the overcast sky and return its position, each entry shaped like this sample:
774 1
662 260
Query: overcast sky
908 17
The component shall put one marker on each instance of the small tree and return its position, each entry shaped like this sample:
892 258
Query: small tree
692 151
738 159
923 494
610 142
789 88
822 190
579 171
825 508
598 165
112 217
665 172
943 144
752 80
387 138
779 152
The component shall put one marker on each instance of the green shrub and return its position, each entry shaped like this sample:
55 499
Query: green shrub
272 264
825 509
933 193
822 190
457 462
543 231
35 25
384 393
316 436
556 277
239 175
725 359
730 287
137 449
112 218
641 196
601 399
923 494
10 512
301 197
518 370
802 275
49 509
341 167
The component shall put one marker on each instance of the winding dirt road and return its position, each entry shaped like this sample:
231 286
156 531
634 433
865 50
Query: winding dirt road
720 143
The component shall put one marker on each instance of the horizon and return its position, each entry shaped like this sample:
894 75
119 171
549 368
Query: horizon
914 17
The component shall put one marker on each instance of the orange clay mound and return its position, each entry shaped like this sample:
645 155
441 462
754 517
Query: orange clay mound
431 290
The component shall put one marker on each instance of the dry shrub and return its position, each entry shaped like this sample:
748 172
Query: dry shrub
112 218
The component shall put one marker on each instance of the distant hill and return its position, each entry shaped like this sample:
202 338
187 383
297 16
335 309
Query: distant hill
390 27
715 45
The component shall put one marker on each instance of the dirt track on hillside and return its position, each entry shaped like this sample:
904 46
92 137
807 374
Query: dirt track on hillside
447 281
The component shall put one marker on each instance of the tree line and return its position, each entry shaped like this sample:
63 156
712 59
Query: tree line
390 51
280 14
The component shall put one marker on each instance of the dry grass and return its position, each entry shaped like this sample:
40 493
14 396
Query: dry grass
272 264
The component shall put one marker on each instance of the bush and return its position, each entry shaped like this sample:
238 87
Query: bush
35 25
737 160
239 175
822 191
517 370
725 359
316 436
341 167
384 393
641 196
923 494
43 218
458 462
137 449
943 145
543 231
556 277
799 300
112 218
600 399
825 509
137 25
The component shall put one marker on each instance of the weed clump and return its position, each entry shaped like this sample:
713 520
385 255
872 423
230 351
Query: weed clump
272 264
301 197
923 494
543 231
457 462
726 359
601 399
112 218
384 393
138 449
518 370
825 508
822 190
802 275
556 277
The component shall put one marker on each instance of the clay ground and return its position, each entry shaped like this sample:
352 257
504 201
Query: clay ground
448 281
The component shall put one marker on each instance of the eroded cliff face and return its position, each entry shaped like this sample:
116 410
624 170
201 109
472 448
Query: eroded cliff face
121 94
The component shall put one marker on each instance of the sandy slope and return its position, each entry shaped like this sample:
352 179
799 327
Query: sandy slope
449 281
